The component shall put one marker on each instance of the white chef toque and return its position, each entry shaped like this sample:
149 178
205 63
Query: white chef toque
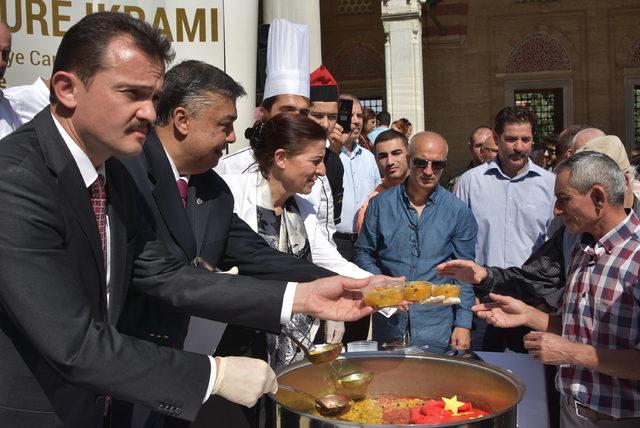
287 59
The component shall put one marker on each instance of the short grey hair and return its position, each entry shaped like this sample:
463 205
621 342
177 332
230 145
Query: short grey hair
591 168
190 85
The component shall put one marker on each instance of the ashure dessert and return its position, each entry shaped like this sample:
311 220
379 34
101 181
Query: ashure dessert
401 411
384 294
446 294
392 293
417 291
446 290
426 293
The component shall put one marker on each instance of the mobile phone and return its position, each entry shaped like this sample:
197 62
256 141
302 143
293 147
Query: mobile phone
344 114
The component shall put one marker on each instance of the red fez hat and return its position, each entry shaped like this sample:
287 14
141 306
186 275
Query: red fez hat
323 85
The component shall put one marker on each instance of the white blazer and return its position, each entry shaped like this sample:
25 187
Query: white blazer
243 162
244 189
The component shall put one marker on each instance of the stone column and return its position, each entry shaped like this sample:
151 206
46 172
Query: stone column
401 20
240 61
301 12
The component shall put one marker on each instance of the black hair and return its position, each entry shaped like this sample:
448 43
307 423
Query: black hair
514 115
565 138
83 46
290 131
383 118
390 134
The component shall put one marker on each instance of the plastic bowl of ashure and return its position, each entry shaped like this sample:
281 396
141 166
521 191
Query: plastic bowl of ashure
382 294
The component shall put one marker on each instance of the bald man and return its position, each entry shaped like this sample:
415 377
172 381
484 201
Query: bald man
584 136
8 118
407 231
476 149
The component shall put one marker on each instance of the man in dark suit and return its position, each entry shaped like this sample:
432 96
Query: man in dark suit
196 112
71 245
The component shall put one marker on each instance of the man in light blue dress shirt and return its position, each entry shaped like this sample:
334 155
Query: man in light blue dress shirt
383 121
512 200
361 176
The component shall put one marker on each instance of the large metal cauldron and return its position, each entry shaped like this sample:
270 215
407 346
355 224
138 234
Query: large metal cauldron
424 375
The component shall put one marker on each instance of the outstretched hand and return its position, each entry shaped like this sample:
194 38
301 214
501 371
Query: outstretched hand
549 348
503 312
336 298
462 270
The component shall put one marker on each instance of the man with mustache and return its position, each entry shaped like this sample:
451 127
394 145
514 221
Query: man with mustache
408 230
193 214
512 200
75 239
8 118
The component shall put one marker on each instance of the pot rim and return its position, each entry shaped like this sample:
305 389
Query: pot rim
507 374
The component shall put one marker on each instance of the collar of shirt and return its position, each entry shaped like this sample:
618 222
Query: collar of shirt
432 199
612 239
531 169
41 86
357 149
174 169
87 170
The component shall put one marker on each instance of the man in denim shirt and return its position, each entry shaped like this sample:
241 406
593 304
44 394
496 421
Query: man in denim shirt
408 230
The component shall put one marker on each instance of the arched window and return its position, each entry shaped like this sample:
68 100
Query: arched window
549 98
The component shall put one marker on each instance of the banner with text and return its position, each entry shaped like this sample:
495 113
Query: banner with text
195 27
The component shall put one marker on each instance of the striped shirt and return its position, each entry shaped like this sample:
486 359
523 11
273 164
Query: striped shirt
602 309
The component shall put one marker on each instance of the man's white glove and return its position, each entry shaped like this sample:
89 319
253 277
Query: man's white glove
243 380
335 331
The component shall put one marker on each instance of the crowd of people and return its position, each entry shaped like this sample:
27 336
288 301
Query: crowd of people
116 201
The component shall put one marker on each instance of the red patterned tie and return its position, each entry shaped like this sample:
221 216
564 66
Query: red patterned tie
182 188
98 197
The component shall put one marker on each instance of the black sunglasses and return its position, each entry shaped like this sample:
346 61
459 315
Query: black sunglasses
436 165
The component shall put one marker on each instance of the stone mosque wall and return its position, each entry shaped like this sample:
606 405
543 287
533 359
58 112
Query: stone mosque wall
479 52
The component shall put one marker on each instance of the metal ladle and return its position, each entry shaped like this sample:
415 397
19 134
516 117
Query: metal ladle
317 354
356 380
332 405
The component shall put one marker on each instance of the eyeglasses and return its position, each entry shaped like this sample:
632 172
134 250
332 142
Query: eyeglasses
436 165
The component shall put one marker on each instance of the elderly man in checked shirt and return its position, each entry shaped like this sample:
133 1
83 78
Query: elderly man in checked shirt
596 341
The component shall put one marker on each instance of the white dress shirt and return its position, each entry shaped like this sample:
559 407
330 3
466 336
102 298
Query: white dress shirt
9 121
89 175
28 100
